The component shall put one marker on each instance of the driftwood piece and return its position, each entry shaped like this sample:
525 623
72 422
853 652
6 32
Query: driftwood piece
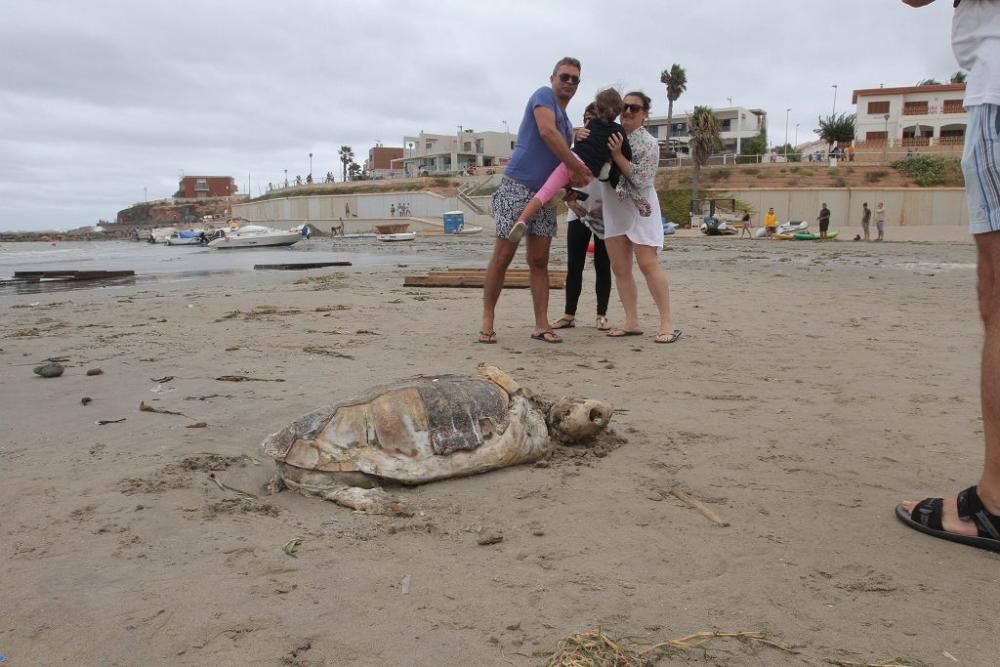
694 503
301 266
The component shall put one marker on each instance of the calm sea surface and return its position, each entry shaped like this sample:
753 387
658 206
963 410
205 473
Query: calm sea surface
160 263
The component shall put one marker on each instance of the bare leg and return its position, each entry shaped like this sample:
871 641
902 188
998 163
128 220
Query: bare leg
496 270
620 254
656 280
988 270
538 278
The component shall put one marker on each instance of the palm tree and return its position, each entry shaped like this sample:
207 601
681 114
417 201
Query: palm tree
929 82
958 77
675 79
836 128
703 128
346 157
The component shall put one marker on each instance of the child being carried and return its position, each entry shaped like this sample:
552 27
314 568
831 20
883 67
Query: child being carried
593 151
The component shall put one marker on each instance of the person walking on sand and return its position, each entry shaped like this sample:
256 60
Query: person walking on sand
543 140
824 220
880 221
866 220
746 227
770 223
973 516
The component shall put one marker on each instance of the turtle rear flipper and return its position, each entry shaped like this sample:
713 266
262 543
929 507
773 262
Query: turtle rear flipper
371 501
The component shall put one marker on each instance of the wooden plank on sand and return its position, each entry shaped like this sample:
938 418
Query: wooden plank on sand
515 279
298 267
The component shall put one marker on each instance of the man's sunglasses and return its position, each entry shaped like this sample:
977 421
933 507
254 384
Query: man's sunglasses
634 108
569 78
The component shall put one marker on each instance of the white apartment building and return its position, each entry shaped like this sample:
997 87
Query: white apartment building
911 116
443 153
737 124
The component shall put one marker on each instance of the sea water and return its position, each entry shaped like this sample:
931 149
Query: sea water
157 262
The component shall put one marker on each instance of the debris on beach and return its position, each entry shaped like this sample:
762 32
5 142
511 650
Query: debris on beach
244 378
696 504
422 430
143 407
291 546
91 372
514 278
103 422
597 649
49 370
85 400
326 351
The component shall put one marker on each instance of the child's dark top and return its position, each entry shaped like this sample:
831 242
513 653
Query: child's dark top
594 149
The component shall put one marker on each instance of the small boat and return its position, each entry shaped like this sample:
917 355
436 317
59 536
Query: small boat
253 236
358 235
161 234
398 236
188 237
793 226
471 229
806 236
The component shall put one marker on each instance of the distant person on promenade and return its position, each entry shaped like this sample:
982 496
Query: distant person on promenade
586 218
880 221
824 220
973 516
392 210
866 221
746 227
770 222
543 140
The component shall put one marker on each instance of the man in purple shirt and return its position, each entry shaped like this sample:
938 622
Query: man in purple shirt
543 141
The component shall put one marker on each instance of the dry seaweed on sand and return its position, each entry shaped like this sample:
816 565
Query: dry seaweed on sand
244 378
901 661
597 649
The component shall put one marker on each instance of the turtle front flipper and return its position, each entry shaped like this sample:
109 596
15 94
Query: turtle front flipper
371 501
499 378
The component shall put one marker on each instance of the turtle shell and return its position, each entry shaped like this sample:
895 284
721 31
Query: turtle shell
412 420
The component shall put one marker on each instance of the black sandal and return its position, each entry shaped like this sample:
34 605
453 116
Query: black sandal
926 517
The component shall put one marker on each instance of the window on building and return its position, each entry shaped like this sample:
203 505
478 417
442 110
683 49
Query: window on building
678 128
512 145
876 137
480 146
953 106
914 108
467 146
201 184
878 108
725 124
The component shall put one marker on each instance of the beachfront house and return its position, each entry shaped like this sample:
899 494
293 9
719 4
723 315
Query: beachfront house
204 187
428 154
911 117
737 124
379 162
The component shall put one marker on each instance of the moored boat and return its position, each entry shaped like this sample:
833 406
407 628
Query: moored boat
398 236
253 236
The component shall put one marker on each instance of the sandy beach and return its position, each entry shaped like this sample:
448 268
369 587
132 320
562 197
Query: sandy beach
816 385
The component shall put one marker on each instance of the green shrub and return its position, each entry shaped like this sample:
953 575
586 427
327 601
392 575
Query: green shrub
750 171
676 204
929 170
875 176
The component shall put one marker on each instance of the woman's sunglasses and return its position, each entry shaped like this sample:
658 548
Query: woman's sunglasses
634 108
569 78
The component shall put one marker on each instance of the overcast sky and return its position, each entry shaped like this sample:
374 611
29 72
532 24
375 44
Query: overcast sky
102 101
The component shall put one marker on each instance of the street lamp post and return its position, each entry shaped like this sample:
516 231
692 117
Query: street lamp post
787 111
286 178
310 164
506 129
797 135
885 146
834 99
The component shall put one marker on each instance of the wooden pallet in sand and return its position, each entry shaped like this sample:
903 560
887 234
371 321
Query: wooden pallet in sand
515 278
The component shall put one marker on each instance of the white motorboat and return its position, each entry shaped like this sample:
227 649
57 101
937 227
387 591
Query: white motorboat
188 237
161 234
253 236
399 236
469 229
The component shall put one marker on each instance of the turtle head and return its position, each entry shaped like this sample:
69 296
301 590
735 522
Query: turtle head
575 419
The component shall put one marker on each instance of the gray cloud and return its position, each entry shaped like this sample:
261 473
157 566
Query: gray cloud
99 100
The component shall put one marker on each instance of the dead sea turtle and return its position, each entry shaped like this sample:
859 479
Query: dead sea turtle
421 430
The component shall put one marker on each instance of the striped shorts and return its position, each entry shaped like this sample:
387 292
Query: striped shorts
508 202
981 167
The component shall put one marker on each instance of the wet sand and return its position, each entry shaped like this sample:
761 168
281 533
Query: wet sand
816 385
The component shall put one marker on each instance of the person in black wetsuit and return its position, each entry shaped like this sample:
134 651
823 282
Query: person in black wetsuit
592 149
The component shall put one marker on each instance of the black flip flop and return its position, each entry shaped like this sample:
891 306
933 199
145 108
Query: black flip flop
541 335
926 518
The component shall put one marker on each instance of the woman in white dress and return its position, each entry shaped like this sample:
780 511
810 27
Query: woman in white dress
628 235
